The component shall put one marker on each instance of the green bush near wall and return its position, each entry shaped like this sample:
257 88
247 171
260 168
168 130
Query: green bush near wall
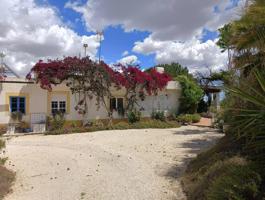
190 96
188 118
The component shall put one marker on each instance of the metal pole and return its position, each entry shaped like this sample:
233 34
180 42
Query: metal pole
100 33
85 46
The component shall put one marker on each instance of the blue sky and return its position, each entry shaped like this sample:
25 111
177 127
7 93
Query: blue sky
150 32
116 40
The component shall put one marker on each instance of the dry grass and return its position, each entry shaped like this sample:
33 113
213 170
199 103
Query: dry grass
6 179
221 173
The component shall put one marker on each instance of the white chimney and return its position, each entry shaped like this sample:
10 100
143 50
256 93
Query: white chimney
160 69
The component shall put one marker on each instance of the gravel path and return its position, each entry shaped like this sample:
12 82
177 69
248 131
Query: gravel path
106 165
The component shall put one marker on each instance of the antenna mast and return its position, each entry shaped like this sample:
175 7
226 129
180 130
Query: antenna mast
5 70
2 68
85 47
100 34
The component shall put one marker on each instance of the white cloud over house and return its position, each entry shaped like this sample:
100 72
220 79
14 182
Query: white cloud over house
176 26
195 54
30 32
129 60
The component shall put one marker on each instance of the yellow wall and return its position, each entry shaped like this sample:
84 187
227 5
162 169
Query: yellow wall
65 93
13 94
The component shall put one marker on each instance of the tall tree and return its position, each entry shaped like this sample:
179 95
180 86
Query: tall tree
174 69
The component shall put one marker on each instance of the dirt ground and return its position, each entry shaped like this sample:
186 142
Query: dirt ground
107 165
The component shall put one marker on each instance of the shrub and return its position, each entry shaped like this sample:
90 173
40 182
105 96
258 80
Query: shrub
195 118
191 94
237 182
98 123
2 144
60 131
158 115
154 124
134 116
118 126
188 118
121 125
57 121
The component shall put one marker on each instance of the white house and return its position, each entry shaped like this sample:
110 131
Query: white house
18 94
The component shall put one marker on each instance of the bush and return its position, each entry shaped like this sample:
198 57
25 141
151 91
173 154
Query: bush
2 144
191 94
237 182
222 173
60 131
121 126
158 115
195 118
154 124
134 116
118 126
56 122
188 118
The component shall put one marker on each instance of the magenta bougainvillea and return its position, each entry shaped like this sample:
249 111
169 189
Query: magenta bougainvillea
91 79
138 83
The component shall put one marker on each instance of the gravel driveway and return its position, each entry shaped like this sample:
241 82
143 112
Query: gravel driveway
107 165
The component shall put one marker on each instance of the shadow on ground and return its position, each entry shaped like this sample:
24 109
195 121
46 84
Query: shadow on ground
192 147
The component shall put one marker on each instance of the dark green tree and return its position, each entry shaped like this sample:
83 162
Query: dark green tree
175 69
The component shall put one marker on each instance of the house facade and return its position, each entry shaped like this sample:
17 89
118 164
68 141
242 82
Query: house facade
36 104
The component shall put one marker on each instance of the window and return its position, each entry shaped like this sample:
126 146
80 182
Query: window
18 104
117 105
58 106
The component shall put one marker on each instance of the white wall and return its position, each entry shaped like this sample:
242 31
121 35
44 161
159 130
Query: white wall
168 100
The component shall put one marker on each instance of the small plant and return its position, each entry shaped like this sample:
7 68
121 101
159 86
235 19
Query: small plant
195 118
121 126
17 116
2 144
98 123
158 115
134 116
189 118
57 121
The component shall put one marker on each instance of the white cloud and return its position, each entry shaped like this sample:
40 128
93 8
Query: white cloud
30 32
175 26
166 20
125 53
194 54
129 60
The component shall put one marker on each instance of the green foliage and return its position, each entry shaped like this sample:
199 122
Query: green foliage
248 122
222 173
158 115
133 116
57 122
118 126
175 69
2 144
154 124
237 182
189 118
225 37
191 94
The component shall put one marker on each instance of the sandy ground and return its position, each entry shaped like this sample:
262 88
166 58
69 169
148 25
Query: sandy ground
106 165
